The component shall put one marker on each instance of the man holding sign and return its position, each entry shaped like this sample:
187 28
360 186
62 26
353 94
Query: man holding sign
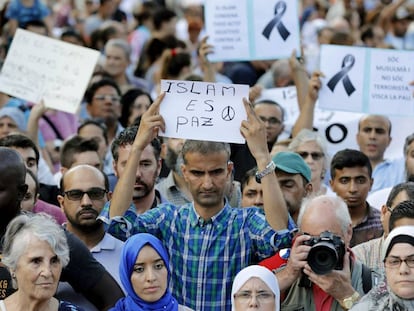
207 240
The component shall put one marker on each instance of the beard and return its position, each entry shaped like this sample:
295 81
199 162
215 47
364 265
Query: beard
84 227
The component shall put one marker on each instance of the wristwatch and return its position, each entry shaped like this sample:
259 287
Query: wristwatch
348 303
268 169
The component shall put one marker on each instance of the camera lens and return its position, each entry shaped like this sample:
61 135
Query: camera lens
322 258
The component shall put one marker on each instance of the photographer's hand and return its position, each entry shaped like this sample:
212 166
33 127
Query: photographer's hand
337 283
297 261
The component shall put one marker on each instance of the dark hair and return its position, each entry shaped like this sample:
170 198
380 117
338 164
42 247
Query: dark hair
35 23
90 93
272 102
147 10
127 137
349 158
97 123
408 187
246 177
404 209
20 141
106 180
162 15
153 50
127 101
36 181
70 32
73 146
173 62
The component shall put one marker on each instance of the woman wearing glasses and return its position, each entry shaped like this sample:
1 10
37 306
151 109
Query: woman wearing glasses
397 293
255 287
312 148
145 274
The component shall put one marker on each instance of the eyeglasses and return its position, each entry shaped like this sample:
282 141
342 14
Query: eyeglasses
113 98
271 121
93 194
395 262
246 296
315 155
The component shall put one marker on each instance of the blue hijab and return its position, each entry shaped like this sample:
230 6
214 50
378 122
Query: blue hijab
132 302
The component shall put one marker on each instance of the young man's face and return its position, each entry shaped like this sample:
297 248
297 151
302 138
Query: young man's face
352 184
252 194
147 172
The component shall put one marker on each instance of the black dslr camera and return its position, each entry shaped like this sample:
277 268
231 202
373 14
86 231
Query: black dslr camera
327 253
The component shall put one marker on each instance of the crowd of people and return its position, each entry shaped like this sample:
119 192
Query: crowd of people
99 211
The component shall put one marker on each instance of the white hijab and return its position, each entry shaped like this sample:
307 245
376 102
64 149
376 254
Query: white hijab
263 274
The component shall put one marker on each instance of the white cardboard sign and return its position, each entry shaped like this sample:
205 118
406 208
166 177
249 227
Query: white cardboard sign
38 67
203 111
365 80
252 30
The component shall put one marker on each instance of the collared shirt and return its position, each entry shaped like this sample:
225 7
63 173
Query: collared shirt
169 190
388 174
370 254
369 228
205 256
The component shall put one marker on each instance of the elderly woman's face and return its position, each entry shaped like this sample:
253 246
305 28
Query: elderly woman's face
313 156
38 270
254 295
150 276
400 278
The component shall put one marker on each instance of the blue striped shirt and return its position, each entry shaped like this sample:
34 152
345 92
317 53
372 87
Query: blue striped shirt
205 256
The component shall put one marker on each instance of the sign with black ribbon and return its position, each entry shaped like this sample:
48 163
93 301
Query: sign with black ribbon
375 81
280 9
244 30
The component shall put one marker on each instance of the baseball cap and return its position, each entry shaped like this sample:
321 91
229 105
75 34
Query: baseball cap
292 163
402 234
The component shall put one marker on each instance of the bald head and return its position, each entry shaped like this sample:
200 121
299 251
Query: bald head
84 171
374 137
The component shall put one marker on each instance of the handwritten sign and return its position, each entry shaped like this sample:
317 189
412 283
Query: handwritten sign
203 111
252 30
367 80
40 67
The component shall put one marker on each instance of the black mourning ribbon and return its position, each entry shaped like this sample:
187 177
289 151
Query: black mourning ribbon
347 63
280 9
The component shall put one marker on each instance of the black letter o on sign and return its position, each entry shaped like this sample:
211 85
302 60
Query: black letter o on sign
343 129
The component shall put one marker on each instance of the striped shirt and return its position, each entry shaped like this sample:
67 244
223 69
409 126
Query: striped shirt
205 256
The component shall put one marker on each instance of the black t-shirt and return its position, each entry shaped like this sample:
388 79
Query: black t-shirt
82 272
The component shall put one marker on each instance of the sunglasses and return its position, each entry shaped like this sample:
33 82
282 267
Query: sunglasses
93 194
315 155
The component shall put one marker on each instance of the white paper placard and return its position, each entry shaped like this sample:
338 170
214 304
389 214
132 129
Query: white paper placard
252 30
203 111
365 80
41 67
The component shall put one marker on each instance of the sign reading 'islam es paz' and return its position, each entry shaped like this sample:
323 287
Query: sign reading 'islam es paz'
252 29
203 111
375 81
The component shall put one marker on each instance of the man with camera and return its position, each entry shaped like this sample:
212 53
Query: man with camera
322 274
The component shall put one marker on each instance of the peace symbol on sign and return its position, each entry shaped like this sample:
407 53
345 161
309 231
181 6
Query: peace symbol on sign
228 113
